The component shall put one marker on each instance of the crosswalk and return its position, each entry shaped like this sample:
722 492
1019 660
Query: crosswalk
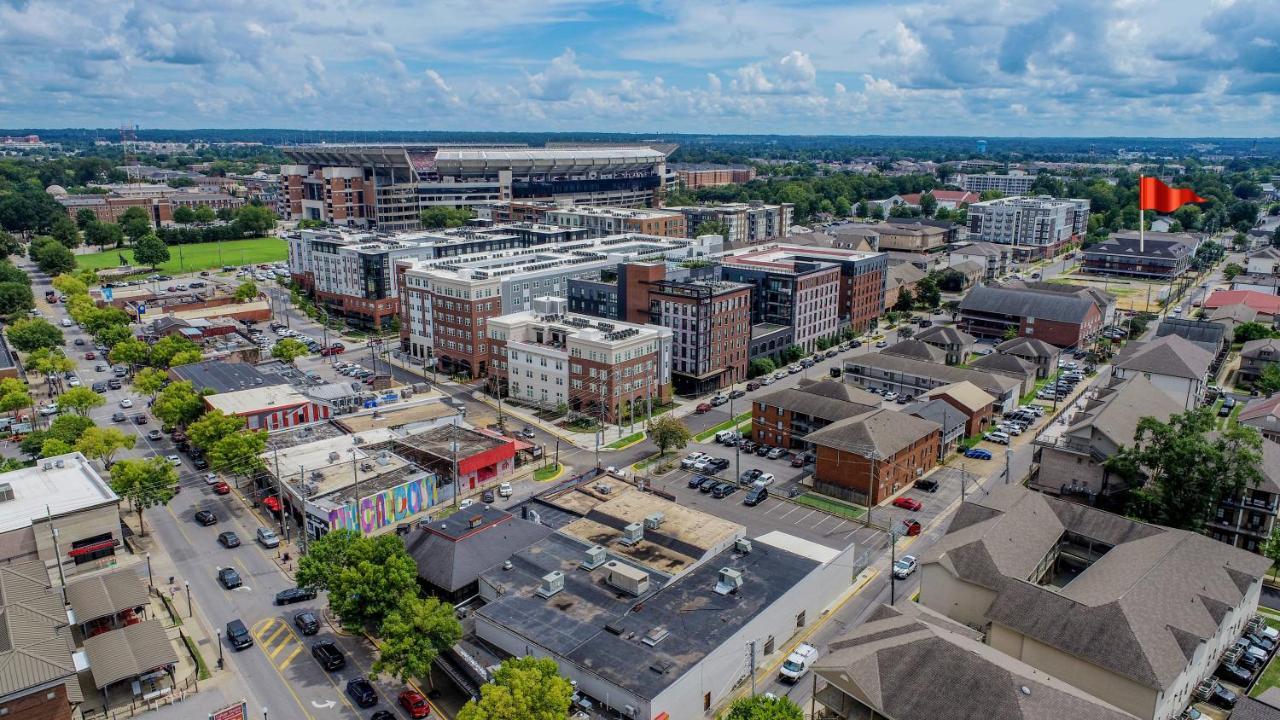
277 641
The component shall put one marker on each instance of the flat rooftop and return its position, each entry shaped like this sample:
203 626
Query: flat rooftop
224 377
248 401
58 485
643 643
439 441
684 531
222 310
396 416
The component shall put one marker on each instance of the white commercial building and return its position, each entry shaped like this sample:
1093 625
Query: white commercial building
1036 227
1014 183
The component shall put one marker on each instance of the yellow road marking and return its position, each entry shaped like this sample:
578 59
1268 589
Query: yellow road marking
271 640
285 663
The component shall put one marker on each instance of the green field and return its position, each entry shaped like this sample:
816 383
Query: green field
202 256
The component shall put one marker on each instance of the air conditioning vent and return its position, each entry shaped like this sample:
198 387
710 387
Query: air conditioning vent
633 581
654 521
595 558
729 581
743 546
632 534
655 636
6 492
552 583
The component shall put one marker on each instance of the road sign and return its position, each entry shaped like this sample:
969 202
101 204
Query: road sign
107 293
231 712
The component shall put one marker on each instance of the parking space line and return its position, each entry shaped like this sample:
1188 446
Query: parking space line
822 522
784 516
805 517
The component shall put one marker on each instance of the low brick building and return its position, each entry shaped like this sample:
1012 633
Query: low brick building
977 405
783 417
1060 319
871 457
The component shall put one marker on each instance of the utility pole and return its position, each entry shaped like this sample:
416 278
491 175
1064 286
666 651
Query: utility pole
752 650
893 560
1007 455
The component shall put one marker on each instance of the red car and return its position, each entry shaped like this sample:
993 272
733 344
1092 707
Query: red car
703 408
415 704
907 503
90 355
222 488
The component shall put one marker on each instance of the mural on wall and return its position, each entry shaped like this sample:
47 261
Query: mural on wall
387 507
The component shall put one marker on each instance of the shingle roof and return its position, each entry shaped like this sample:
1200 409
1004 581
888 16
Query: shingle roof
878 434
1027 347
35 643
945 335
1027 303
1208 336
1267 252
1157 245
918 350
1115 411
1254 348
904 274
993 383
966 393
939 411
1238 312
1010 364
1171 355
1262 413
826 399
983 248
1247 708
910 662
1132 612
450 554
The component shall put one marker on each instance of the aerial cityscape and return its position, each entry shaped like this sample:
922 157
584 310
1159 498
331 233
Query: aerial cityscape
725 360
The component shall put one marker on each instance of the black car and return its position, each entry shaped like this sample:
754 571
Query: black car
238 635
748 446
734 395
696 480
855 344
755 496
763 450
229 539
306 622
718 464
1233 673
749 476
114 384
200 463
328 655
206 518
99 387
293 595
119 417
1252 663
1260 641
1222 697
383 715
708 483
927 485
723 490
362 692
487 496
229 578
140 419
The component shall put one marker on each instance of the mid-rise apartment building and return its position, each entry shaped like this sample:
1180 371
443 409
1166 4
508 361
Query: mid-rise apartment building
700 175
1010 184
550 358
747 223
711 325
388 185
1036 227
602 221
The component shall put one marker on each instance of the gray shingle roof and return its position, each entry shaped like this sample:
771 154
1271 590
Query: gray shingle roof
1011 364
939 411
904 274
1262 413
451 555
825 399
877 434
1171 355
1026 303
918 350
1156 245
1248 708
910 662
945 335
994 384
1254 348
1115 412
1238 312
1027 347
1132 612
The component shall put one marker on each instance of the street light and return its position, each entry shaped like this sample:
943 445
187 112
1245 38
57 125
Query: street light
151 583
220 660
188 584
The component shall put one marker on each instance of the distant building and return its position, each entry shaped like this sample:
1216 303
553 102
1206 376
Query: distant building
1263 414
913 377
710 321
910 237
954 342
602 221
946 199
1246 520
783 417
748 223
1011 184
1265 262
271 408
1036 227
1267 306
1256 356
1160 255
994 259
699 175
1172 363
453 552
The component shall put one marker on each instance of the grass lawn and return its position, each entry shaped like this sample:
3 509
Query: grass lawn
625 441
201 256
831 505
546 473
711 431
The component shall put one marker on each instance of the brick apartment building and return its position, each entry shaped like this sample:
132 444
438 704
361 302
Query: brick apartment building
1058 318
711 325
783 417
550 358
871 457
701 175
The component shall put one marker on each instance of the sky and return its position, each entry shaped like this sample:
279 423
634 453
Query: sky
851 67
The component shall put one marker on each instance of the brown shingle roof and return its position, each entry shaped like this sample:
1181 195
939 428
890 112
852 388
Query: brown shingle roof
945 335
877 434
918 350
824 399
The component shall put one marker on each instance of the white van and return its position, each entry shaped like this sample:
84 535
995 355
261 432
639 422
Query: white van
798 663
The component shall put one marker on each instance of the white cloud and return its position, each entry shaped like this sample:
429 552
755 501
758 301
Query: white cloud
791 74
557 81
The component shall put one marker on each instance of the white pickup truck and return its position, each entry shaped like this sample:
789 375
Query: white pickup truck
798 662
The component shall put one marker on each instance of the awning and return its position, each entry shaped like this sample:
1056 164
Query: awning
129 652
106 594
91 548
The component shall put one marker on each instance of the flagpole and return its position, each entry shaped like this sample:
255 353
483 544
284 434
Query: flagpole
1142 225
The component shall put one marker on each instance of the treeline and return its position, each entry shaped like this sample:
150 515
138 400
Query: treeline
835 193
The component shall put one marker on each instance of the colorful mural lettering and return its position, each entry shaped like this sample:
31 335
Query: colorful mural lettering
387 507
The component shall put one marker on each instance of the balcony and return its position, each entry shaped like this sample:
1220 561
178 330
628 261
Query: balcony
1268 505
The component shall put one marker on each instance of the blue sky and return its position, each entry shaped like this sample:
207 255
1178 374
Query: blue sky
946 67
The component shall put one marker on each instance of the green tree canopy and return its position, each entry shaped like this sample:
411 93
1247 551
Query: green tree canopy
183 215
53 446
246 291
135 222
103 443
444 217
288 350
148 380
165 348
760 367
255 220
905 300
205 214
238 454
526 687
150 250
1268 381
763 707
85 217
1190 466
80 400
64 230
367 577
413 634
14 395
16 299
178 405
32 334
667 433
104 234
928 204
927 293
213 426
712 227
145 483
69 428
130 351
70 285
1246 332
53 257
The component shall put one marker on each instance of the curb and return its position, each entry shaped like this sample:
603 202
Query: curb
643 436
553 478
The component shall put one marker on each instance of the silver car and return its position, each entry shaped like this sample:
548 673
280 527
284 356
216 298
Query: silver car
268 537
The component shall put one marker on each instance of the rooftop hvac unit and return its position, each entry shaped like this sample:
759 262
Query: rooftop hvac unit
632 534
6 492
47 466
384 458
730 581
366 467
357 440
333 457
60 463
626 578
552 583
595 558
317 475
654 521
310 489
743 546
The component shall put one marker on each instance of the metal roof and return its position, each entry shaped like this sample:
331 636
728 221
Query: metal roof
106 594
129 652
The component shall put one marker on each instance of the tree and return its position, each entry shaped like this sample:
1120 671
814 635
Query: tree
49 361
145 483
792 353
186 357
96 319
713 227
130 351
288 350
212 427
52 447
150 250
1011 332
928 204
367 577
413 634
905 300
14 395
165 348
85 217
56 259
238 454
927 293
667 433
876 211
69 428
103 443
764 707
135 222
32 334
178 405
444 217
80 400
1270 548
325 557
205 214
1269 381
15 299
9 245
862 209
255 220
525 687
64 230
760 367
148 380
103 234
1246 332
183 215
1231 271
113 335
246 291
1190 466
70 285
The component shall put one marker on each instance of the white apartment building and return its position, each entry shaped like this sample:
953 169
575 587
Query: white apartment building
1036 227
604 221
1015 183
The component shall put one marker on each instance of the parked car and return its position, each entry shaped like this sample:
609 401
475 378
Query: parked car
229 539
735 394
776 453
905 565
1221 697
891 395
119 417
695 481
797 663
139 419
708 483
719 400
362 692
306 622
702 408
154 434
756 495
238 635
505 490
753 386
294 595
328 654
978 454
229 578
723 490
907 503
801 459
414 703
221 488
765 479
749 476
997 437
267 537
173 459
927 484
